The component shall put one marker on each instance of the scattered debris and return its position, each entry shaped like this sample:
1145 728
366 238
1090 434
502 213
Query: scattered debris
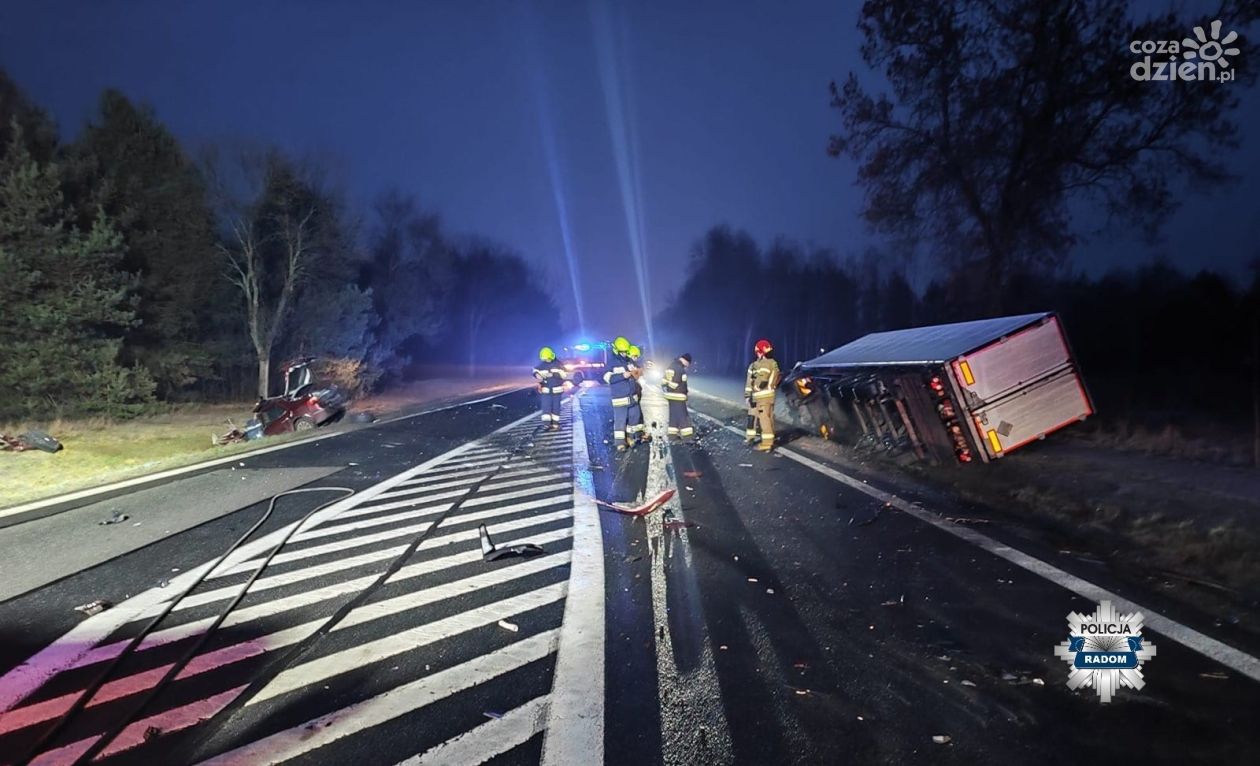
498 406
770 591
117 518
752 579
31 440
801 692
492 713
151 732
961 520
968 683
745 465
692 474
941 739
1215 675
163 583
801 665
644 509
509 626
676 524
723 647
93 608
898 602
1039 682
631 559
491 552
690 489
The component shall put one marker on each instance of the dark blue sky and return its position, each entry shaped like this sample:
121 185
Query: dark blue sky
481 109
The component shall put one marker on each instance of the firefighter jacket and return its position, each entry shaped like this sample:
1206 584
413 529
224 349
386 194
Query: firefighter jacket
551 376
763 378
620 375
674 382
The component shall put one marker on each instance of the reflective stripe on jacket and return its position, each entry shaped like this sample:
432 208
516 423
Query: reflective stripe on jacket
763 377
674 382
551 375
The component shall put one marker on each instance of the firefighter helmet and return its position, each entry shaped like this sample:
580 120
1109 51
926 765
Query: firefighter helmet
546 354
635 352
621 345
763 347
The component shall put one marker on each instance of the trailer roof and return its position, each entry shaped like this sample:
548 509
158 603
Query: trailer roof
934 344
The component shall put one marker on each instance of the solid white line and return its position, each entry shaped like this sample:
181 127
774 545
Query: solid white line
365 654
86 493
1209 647
22 680
491 738
413 529
575 717
385 707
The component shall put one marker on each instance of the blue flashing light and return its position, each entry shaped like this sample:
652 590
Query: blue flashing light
582 347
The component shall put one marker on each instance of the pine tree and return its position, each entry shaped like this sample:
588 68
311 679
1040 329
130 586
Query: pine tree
65 301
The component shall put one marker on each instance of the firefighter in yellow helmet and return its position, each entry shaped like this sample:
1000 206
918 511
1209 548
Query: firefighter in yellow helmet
551 376
620 377
635 428
759 388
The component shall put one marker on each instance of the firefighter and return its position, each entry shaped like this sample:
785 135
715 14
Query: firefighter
635 428
759 388
620 377
551 376
674 383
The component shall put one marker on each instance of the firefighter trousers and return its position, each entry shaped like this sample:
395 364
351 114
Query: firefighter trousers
761 418
634 418
679 419
621 414
549 406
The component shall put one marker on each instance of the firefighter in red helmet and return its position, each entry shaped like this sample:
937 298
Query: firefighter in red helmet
759 388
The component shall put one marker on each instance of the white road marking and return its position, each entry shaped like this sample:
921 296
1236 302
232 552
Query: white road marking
136 683
695 696
392 704
1209 647
481 499
168 721
24 679
369 652
270 608
357 542
575 716
491 738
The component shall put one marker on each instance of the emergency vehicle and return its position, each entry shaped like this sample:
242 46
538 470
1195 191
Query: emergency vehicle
585 361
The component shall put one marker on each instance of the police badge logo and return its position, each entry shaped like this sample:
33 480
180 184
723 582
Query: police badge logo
1105 650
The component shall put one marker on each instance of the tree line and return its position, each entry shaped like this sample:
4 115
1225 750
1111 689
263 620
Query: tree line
134 270
1155 343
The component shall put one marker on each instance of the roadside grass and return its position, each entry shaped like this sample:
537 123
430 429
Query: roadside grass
101 451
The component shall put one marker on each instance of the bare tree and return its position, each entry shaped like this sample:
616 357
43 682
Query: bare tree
274 227
997 116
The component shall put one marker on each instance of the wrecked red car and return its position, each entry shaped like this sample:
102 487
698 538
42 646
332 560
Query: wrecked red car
302 407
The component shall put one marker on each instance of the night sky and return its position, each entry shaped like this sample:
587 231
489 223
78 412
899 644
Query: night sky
640 124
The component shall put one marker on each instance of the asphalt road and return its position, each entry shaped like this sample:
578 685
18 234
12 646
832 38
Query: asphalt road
772 611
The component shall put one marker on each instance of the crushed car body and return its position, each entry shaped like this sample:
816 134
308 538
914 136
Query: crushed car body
956 393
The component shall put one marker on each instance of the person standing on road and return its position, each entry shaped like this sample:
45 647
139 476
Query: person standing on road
635 427
550 375
619 375
674 383
759 389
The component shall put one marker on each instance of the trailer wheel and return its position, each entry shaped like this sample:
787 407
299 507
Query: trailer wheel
304 423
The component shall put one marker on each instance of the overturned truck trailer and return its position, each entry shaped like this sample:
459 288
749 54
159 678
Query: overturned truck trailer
950 393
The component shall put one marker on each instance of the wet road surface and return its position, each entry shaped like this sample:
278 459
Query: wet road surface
768 613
